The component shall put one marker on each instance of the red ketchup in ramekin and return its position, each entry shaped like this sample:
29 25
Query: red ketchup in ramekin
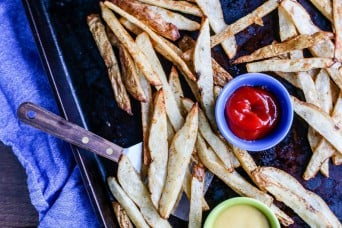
252 112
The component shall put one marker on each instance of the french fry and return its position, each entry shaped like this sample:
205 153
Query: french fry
131 209
304 25
289 65
217 91
325 7
335 75
146 111
181 22
221 76
150 16
130 26
99 34
197 182
217 144
121 216
176 88
213 10
162 45
241 24
173 113
309 206
128 177
232 179
337 159
158 147
127 41
324 149
204 71
337 19
181 6
326 126
130 75
179 158
297 43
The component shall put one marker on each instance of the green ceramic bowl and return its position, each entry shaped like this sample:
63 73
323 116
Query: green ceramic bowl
214 214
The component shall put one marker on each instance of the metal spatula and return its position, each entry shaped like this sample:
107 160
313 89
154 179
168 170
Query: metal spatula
50 123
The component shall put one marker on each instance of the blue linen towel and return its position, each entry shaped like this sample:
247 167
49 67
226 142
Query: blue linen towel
53 178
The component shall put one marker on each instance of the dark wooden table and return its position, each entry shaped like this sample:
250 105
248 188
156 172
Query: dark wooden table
16 209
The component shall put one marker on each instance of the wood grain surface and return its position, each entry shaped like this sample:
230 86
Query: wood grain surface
16 209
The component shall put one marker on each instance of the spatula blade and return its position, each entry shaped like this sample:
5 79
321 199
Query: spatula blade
134 154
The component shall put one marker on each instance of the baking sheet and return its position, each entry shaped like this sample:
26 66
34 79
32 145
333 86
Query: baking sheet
79 79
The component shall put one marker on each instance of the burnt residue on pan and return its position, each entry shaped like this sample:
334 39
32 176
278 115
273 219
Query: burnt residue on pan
94 94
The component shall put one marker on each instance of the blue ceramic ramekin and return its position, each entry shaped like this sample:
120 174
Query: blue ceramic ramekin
285 104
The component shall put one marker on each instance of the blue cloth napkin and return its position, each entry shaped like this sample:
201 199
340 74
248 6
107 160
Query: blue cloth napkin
53 178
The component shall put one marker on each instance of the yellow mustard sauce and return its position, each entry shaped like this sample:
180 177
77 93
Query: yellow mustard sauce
241 216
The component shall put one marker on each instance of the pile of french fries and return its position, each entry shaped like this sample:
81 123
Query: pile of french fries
180 136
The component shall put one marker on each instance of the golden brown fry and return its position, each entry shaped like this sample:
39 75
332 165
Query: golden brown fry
130 75
241 24
216 143
176 88
132 210
337 20
304 25
326 126
128 177
172 110
297 43
181 6
127 41
179 158
99 34
121 216
168 52
325 7
213 10
204 71
221 76
289 65
158 147
130 26
180 21
197 184
149 15
309 206
337 159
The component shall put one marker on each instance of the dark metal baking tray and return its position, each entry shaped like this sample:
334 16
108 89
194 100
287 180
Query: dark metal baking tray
83 93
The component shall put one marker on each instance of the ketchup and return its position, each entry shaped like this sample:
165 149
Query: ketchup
252 112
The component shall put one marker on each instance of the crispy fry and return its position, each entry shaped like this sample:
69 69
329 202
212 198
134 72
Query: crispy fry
176 88
127 41
326 126
325 7
130 26
197 182
213 10
304 25
241 24
204 71
309 206
221 76
216 143
99 34
297 43
150 16
337 19
128 177
173 112
158 147
337 159
132 210
146 111
287 29
179 158
130 75
181 6
289 65
169 52
121 216
217 91
232 179
181 22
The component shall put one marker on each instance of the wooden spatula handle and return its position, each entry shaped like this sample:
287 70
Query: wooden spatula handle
53 124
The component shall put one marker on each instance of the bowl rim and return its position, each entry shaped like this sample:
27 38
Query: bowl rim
283 97
265 210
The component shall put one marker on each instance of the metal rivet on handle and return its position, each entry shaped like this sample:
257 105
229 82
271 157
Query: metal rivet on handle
109 151
85 140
